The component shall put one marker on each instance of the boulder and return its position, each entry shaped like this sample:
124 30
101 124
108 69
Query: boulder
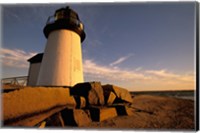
75 117
80 101
42 125
54 121
91 91
99 114
111 98
122 94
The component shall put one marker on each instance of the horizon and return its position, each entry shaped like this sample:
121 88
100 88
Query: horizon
172 90
137 46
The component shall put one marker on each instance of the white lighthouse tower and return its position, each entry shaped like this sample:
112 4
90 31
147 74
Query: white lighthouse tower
62 60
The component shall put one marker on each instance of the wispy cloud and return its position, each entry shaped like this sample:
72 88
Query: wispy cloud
15 58
138 69
110 72
135 78
162 73
138 77
166 75
120 60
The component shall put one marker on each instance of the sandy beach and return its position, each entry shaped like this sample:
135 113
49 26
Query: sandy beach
154 112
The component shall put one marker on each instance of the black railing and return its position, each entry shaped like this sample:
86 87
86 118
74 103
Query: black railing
75 22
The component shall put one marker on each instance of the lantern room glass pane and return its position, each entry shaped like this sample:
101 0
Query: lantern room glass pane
60 15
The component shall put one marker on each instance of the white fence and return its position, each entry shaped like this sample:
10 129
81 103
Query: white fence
16 81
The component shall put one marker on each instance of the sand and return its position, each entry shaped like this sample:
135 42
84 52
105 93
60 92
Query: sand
154 113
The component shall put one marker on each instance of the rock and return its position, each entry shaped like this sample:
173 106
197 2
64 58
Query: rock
122 94
91 91
32 119
55 121
75 117
100 114
121 110
111 98
81 117
30 100
103 113
42 125
80 102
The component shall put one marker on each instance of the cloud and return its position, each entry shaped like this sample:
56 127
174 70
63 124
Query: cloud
110 72
162 73
139 78
138 69
15 58
136 78
166 75
120 60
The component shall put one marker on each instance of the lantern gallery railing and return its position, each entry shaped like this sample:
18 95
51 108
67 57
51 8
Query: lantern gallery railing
72 21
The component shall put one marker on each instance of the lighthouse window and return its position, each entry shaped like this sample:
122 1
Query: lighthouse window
60 15
73 15
81 25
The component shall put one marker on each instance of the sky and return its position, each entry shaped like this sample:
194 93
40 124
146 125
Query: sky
138 46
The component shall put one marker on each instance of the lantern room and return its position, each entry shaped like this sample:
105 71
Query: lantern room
65 18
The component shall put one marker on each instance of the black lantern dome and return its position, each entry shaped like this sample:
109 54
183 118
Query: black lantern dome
65 18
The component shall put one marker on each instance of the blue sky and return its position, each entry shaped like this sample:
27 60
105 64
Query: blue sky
139 46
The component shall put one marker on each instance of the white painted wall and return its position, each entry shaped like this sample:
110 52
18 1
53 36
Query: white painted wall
62 60
33 74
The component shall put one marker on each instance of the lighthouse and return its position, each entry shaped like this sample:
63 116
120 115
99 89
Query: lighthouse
62 59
